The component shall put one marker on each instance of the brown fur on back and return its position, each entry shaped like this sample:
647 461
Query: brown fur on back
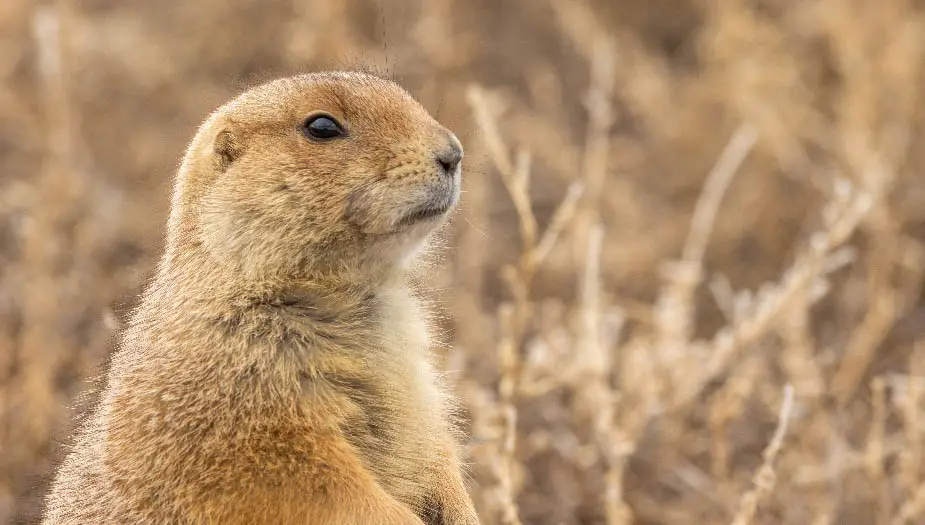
277 369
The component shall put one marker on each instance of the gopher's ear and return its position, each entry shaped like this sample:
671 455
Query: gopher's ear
228 148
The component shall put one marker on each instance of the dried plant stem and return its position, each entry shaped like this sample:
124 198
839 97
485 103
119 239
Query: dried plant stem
509 358
513 319
597 391
601 117
42 347
911 455
676 304
884 307
797 358
765 478
560 218
729 403
718 181
674 311
876 446
595 159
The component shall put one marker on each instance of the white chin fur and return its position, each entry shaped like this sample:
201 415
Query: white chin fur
415 240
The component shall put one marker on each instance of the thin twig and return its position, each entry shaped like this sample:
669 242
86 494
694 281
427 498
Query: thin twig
718 181
765 478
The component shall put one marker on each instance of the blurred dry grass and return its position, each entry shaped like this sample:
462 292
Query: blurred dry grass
723 322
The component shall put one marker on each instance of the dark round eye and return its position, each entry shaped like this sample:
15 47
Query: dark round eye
322 127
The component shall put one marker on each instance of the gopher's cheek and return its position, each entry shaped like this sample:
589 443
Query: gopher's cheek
359 210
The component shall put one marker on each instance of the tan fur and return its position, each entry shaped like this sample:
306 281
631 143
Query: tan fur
277 369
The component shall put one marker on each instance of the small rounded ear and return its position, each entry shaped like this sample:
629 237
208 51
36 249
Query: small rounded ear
228 148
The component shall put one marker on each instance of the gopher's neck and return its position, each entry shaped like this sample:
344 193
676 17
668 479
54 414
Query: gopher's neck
354 295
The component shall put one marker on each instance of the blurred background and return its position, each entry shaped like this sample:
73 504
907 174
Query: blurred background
685 284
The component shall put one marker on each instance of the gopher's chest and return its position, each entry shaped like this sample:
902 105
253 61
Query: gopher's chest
396 423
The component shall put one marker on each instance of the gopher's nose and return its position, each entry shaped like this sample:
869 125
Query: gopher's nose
449 157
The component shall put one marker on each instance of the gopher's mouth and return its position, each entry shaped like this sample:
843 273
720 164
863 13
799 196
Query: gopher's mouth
425 212
438 204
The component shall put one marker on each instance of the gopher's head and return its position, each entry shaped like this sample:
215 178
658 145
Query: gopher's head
312 174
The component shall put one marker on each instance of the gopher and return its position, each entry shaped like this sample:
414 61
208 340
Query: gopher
277 368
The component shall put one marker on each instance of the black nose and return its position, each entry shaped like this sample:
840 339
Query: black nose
449 157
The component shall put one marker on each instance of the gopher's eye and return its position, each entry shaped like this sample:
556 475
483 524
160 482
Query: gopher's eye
322 127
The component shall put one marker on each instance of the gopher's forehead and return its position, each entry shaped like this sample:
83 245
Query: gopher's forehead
358 95
348 95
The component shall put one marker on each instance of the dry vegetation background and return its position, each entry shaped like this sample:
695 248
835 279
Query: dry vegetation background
686 282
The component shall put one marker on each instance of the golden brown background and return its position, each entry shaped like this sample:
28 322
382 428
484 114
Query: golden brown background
725 326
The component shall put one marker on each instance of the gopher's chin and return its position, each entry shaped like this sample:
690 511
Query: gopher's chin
409 236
